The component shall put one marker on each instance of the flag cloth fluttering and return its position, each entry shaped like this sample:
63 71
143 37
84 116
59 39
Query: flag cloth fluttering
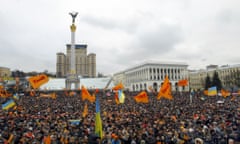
74 121
165 90
37 81
183 82
16 97
98 121
86 95
212 91
85 110
116 98
225 93
9 104
205 92
118 87
119 95
50 95
142 97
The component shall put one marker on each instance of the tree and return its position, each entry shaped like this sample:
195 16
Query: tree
208 82
216 81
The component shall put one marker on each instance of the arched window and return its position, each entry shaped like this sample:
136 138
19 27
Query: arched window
140 87
155 86
145 86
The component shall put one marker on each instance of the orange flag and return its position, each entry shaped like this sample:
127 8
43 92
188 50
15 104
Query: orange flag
118 87
165 90
116 98
37 81
142 97
225 93
47 140
92 98
85 111
205 92
86 95
183 82
51 95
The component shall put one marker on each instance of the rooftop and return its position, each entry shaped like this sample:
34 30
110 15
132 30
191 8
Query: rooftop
89 83
78 46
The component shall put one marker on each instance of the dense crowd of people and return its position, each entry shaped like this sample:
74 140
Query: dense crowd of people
178 121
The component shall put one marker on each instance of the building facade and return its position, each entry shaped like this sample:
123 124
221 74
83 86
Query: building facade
228 74
5 72
152 74
61 64
85 63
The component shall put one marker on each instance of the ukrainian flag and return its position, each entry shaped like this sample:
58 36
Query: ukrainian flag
212 91
8 104
74 122
16 97
98 121
121 96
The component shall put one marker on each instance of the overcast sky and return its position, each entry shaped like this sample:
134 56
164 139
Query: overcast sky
122 33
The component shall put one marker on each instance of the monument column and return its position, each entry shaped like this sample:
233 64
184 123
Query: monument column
72 77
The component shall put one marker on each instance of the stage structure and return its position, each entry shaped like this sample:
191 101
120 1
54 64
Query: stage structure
72 77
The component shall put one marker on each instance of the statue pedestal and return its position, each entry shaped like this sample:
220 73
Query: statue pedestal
72 79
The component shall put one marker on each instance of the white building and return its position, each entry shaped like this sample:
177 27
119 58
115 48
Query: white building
152 73
228 74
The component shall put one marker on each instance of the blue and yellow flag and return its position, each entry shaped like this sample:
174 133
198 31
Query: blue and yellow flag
74 121
9 104
121 96
212 91
98 121
16 97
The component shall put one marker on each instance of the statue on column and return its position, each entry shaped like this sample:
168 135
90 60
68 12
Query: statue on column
74 15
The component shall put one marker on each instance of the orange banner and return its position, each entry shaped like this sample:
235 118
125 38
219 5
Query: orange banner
37 81
86 95
50 95
165 90
225 93
183 82
142 97
118 87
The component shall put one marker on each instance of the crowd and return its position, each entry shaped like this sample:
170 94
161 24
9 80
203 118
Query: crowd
38 120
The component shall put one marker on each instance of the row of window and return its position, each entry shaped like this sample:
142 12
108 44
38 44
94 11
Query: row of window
152 77
155 86
162 70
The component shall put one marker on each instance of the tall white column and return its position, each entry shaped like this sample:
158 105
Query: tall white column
73 63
